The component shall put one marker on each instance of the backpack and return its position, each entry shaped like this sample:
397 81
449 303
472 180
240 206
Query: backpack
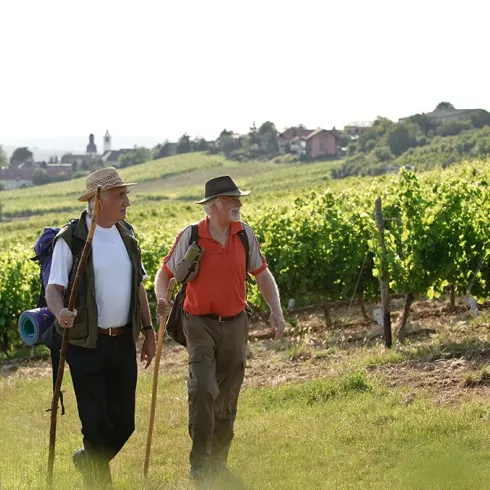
44 248
175 320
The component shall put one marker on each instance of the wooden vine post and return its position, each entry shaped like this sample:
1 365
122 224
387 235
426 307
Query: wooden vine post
383 276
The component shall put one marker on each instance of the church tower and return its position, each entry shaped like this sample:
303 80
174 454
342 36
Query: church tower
107 141
91 147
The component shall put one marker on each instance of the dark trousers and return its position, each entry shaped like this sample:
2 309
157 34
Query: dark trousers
217 356
104 380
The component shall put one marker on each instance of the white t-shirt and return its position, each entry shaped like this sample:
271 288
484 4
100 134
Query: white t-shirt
112 274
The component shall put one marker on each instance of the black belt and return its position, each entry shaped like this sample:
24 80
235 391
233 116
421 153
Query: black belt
220 318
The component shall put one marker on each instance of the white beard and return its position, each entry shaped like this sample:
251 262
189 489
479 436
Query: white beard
234 215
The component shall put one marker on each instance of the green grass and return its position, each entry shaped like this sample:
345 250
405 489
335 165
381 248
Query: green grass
330 433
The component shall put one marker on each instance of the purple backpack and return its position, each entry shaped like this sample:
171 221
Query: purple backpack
43 248
44 255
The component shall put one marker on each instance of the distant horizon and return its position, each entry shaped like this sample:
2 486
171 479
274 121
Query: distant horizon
77 143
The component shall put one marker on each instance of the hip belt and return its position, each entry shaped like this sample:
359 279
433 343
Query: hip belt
116 331
220 318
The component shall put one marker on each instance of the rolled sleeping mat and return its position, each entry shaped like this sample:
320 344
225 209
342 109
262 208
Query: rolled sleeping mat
33 323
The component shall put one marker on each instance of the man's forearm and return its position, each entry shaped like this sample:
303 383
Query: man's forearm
54 299
144 307
268 288
161 283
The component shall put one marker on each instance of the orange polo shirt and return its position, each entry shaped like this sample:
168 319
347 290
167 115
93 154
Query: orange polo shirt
219 287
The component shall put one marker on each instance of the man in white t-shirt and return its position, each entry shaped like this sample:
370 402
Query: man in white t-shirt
110 312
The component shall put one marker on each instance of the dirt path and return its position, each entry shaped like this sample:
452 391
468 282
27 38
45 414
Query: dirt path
448 360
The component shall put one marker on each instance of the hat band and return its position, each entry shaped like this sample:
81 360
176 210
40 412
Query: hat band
109 180
217 192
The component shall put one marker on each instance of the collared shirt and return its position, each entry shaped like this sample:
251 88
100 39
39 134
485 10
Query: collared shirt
220 286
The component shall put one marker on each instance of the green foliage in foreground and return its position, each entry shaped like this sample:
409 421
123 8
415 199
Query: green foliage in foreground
323 245
343 433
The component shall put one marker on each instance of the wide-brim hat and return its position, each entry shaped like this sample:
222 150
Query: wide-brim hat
107 178
221 186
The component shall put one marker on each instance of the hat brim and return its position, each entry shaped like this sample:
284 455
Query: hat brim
88 195
237 193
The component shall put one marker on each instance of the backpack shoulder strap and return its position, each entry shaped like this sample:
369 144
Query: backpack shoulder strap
194 234
76 244
242 234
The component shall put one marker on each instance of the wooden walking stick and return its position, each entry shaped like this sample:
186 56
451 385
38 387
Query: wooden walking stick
66 337
161 334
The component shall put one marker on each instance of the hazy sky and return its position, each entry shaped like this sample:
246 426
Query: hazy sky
151 70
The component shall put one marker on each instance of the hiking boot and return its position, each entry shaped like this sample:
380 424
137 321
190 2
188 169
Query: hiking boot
225 478
198 473
95 475
82 464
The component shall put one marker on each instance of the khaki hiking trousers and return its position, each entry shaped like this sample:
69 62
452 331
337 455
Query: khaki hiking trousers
217 357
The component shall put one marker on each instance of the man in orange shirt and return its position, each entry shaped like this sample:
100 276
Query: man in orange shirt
215 320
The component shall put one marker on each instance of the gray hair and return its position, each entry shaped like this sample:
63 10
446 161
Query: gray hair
206 206
91 204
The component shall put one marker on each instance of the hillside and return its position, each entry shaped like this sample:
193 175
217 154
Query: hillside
417 143
180 178
330 406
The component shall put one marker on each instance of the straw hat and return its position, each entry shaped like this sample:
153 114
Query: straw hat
221 186
107 178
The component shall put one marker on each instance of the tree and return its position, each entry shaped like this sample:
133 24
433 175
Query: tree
135 157
480 118
344 140
40 177
444 105
161 151
227 143
184 144
3 158
383 154
200 144
379 128
21 155
424 122
400 138
253 137
452 128
268 138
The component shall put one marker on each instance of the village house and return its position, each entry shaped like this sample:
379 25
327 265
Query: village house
357 128
309 143
21 176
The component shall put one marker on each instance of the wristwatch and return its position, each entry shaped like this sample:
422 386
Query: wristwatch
146 328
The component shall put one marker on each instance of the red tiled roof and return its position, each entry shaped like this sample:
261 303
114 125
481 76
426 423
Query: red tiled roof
320 130
301 132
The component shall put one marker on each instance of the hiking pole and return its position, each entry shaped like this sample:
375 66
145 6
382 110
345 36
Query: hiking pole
66 336
161 334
